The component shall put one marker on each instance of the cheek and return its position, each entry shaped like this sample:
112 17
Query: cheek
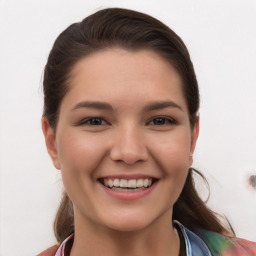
79 154
172 156
173 150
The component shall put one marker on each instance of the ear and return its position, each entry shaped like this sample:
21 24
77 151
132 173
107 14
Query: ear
50 141
194 138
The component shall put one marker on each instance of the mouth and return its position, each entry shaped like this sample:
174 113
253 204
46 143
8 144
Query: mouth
128 185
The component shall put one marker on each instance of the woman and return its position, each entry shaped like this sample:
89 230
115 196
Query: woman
120 122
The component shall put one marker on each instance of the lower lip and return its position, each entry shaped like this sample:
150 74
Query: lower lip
129 195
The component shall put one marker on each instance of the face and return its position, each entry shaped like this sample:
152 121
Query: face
123 140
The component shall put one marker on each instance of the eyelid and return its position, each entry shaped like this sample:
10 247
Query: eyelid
87 119
170 120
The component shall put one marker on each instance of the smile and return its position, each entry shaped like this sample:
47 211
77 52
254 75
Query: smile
127 185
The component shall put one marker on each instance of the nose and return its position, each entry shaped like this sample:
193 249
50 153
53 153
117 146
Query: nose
128 146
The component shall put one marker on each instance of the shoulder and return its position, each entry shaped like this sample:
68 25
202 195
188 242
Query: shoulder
50 251
229 246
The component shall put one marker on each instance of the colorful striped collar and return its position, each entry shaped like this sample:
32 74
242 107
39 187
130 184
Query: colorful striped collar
204 243
194 244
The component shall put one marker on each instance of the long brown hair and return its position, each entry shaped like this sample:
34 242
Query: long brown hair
132 31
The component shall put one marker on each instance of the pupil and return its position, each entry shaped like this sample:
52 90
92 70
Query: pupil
159 121
96 121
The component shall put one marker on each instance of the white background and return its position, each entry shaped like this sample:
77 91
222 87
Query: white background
221 37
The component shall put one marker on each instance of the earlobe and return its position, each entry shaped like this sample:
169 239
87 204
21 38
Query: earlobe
50 141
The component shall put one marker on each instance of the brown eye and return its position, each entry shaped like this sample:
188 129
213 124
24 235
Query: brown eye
159 121
162 121
93 121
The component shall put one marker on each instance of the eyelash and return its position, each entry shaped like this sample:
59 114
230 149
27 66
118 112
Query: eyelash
90 119
167 121
100 120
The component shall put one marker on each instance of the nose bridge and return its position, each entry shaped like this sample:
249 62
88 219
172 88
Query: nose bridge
128 144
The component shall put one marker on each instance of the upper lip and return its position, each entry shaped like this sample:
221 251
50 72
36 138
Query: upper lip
128 176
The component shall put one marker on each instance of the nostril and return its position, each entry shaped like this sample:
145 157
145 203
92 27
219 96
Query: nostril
128 147
129 155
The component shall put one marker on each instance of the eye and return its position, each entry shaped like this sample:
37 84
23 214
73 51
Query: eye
93 121
162 121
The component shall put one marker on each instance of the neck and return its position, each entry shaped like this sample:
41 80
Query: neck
159 238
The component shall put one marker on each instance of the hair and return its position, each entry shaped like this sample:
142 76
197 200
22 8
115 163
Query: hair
132 31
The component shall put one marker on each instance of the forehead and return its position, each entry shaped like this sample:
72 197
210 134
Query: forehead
117 61
114 74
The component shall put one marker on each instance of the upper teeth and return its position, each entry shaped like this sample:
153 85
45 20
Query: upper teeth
131 183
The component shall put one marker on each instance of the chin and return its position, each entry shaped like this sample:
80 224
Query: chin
129 227
129 223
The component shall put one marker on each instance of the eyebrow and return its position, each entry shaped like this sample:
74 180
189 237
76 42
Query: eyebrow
160 105
93 104
106 106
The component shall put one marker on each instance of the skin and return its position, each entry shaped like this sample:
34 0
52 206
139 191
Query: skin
128 140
